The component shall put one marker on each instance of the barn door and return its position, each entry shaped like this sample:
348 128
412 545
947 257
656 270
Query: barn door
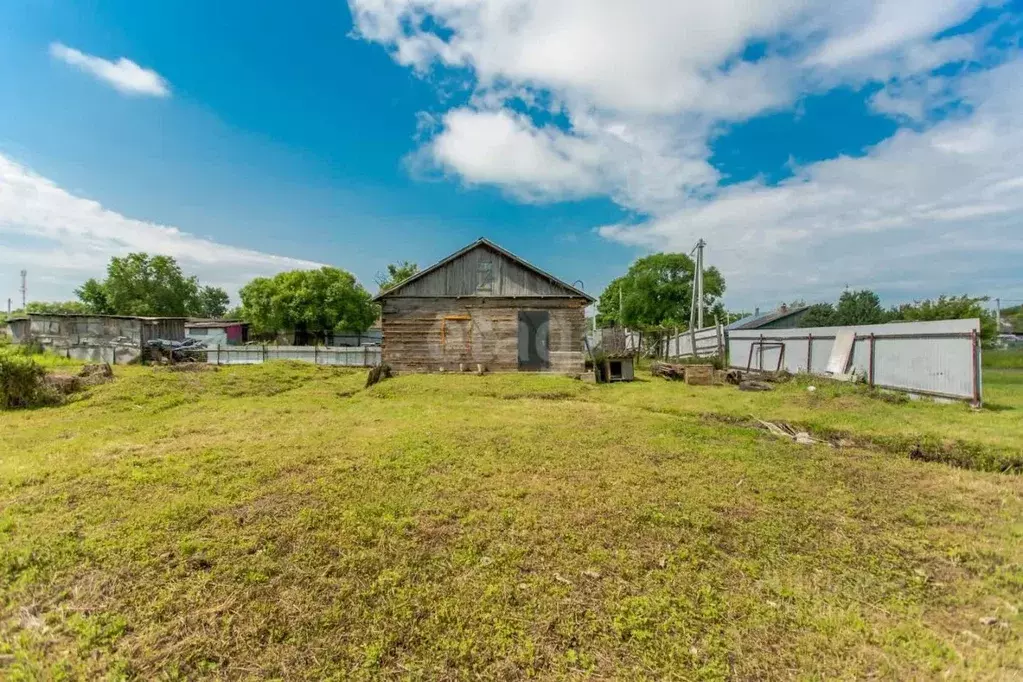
534 329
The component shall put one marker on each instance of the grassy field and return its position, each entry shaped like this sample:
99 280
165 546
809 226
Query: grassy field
279 521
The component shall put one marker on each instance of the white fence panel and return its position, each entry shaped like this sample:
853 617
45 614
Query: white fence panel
359 356
701 343
933 358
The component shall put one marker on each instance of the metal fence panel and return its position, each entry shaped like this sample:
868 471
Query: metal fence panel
358 356
937 358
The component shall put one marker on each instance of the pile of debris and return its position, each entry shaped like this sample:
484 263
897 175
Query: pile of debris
89 375
783 430
694 375
163 351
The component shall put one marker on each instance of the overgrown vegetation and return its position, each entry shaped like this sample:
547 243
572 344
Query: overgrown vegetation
281 521
1009 358
22 381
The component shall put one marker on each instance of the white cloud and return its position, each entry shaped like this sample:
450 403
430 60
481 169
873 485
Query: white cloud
923 211
63 239
639 90
124 75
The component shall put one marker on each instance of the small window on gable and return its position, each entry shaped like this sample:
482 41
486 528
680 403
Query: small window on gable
485 276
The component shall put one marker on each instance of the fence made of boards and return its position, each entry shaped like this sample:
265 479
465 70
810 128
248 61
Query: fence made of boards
343 356
699 343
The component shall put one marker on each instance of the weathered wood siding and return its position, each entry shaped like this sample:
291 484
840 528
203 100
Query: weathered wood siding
463 277
430 334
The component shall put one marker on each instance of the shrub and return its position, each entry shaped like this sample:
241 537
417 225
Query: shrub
22 382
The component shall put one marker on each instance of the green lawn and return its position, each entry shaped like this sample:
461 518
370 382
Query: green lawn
279 521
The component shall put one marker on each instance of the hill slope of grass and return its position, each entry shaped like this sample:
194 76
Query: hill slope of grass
279 521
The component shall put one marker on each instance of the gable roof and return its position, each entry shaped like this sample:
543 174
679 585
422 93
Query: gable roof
482 241
756 322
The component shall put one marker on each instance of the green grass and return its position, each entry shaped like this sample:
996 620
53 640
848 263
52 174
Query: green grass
1009 358
280 522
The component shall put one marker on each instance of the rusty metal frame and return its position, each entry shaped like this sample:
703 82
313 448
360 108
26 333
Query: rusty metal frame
762 345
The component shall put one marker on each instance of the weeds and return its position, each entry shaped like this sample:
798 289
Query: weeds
23 382
248 523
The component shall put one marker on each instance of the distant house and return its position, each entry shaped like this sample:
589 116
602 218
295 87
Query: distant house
784 317
218 332
117 339
484 308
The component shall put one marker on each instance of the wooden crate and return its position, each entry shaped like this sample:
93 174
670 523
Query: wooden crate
700 375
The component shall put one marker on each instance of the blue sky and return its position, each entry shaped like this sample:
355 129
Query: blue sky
813 145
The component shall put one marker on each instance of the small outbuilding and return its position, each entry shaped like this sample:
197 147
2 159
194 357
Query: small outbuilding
483 308
117 339
218 332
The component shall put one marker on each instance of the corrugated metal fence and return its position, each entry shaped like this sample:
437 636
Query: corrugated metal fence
931 358
359 356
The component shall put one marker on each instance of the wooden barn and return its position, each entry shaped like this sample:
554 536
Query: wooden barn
483 308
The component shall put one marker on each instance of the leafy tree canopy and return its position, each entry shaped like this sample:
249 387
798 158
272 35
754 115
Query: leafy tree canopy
58 307
950 308
396 274
657 292
328 299
213 302
819 315
140 284
859 307
864 307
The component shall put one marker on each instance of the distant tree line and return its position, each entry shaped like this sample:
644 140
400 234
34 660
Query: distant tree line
864 307
318 301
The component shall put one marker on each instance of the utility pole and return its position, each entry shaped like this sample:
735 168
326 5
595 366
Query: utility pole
998 316
699 270
24 288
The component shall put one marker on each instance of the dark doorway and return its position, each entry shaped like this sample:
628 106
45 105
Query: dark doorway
534 333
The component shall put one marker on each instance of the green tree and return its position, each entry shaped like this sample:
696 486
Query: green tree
319 301
59 307
212 303
94 296
236 313
608 305
1013 315
140 284
859 307
951 308
819 315
396 274
656 292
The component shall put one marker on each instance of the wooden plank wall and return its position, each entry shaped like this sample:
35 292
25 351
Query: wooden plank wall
461 277
419 338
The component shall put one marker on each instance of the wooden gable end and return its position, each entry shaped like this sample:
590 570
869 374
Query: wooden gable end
482 271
